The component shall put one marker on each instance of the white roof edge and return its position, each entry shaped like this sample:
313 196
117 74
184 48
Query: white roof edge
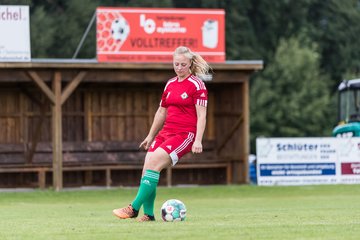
346 83
94 60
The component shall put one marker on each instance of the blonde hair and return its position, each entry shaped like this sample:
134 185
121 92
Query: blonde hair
199 67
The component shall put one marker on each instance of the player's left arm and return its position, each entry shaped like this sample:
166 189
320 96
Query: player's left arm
200 128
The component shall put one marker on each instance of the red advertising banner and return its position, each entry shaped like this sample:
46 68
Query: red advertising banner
152 34
350 168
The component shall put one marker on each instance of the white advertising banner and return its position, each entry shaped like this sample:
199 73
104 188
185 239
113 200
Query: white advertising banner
302 161
349 158
15 34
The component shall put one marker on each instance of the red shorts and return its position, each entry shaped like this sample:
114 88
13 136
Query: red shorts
175 144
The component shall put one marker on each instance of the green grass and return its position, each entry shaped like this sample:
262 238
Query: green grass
216 212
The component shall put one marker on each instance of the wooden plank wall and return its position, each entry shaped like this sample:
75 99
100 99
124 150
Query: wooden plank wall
119 115
112 117
89 115
92 114
10 117
228 115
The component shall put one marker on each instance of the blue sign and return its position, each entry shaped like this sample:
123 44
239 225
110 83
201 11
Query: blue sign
297 169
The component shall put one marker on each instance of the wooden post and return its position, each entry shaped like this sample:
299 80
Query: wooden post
169 176
211 118
70 88
42 178
57 133
246 130
229 174
24 125
57 98
108 177
42 85
88 117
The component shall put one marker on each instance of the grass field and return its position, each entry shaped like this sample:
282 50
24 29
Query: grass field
214 212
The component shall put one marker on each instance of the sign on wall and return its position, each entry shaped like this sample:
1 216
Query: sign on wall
152 34
302 161
15 34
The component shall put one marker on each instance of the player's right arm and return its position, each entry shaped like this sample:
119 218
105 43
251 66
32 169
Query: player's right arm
157 124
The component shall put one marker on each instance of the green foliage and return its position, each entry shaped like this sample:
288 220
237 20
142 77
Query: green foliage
266 22
150 3
72 20
42 33
291 97
241 40
336 29
15 2
58 26
286 99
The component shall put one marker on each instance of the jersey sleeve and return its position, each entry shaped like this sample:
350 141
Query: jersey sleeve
201 97
163 99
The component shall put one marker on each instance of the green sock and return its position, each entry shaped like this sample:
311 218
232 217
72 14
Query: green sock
147 186
149 204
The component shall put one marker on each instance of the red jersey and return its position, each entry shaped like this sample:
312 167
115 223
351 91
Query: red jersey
180 99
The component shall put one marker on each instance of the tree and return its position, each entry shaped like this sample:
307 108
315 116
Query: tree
291 97
42 33
57 26
336 29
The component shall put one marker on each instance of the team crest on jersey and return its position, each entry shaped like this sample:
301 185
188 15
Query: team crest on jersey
184 95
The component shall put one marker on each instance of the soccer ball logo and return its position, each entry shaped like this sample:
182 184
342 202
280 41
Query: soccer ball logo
173 210
112 30
120 29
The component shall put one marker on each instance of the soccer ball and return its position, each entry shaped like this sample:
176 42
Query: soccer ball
173 210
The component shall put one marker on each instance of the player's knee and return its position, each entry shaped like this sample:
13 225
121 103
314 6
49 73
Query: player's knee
158 164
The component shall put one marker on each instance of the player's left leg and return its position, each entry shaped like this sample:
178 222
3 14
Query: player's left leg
175 147
154 163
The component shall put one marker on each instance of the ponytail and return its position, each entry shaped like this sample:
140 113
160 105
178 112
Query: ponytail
199 67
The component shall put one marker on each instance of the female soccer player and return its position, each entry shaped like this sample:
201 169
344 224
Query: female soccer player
181 117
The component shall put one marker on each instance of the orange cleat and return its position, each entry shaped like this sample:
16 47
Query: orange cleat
126 212
146 218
